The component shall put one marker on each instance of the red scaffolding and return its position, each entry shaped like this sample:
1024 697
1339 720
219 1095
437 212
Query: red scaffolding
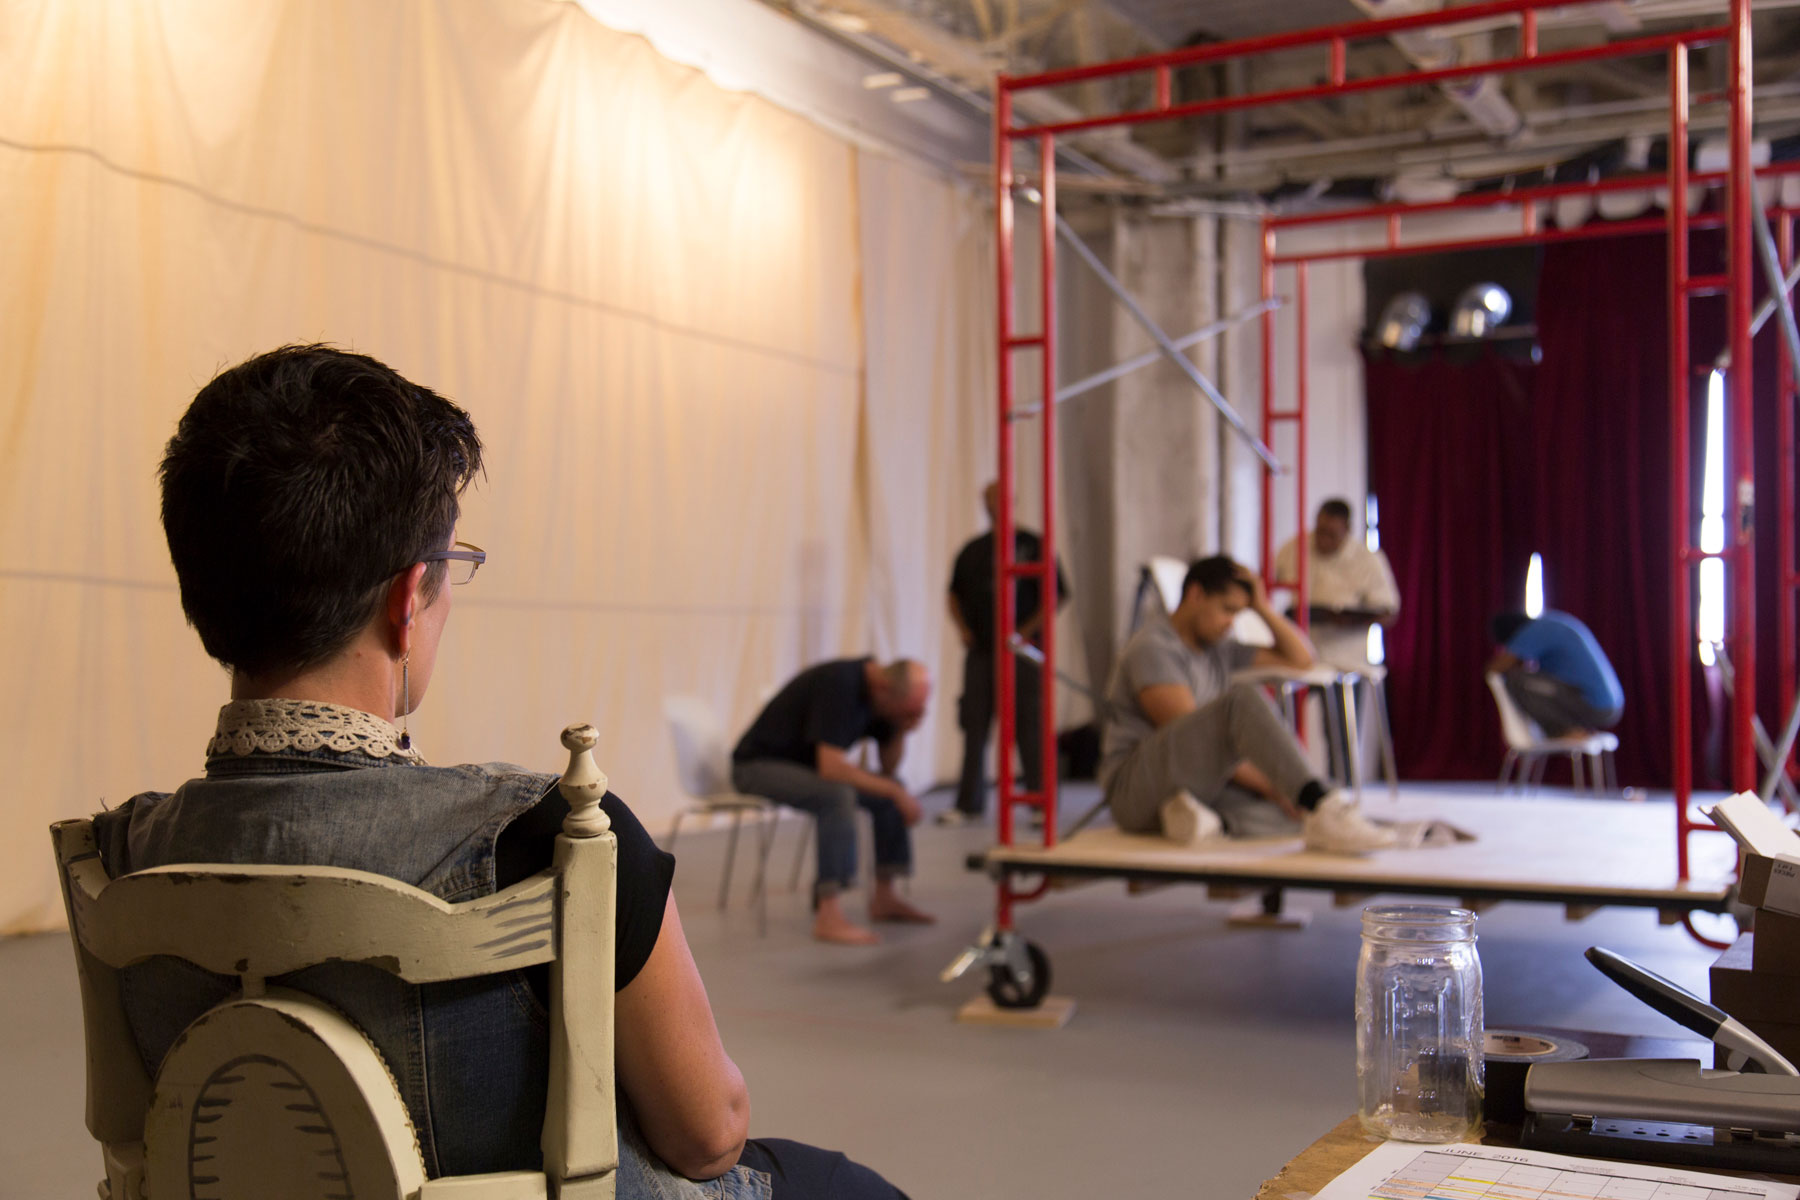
1736 284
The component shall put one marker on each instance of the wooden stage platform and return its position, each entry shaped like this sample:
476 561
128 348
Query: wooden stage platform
1581 853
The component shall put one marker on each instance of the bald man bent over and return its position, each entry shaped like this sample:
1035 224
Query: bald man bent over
797 752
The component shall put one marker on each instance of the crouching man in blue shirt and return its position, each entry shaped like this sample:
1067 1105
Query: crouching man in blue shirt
1556 672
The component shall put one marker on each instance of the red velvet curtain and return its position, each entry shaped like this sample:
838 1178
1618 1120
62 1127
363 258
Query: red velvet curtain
1601 464
1773 700
1448 439
1571 460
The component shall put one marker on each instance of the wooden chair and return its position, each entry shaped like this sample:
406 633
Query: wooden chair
274 1094
1528 749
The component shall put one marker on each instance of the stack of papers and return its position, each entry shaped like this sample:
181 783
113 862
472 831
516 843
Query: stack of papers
1407 1171
1754 827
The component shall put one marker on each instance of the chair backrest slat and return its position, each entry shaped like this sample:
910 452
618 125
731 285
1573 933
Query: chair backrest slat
266 921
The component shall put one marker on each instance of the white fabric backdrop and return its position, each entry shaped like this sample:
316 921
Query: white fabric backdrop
651 294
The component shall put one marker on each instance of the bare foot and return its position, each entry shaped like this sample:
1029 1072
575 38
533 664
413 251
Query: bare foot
893 908
831 925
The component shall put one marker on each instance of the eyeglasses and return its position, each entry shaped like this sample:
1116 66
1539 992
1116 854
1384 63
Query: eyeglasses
463 561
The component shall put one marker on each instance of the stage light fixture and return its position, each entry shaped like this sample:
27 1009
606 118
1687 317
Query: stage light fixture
1480 310
1403 321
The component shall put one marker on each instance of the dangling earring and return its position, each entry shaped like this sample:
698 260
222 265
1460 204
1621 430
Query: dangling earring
405 700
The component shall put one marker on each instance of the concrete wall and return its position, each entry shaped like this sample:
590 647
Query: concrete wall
1147 465
1140 457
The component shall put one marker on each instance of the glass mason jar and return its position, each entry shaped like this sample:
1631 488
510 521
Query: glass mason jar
1418 1024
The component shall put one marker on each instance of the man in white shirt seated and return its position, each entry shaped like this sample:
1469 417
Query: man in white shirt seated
1349 587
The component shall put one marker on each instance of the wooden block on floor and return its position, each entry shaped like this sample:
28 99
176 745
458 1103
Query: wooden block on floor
1053 1013
1252 916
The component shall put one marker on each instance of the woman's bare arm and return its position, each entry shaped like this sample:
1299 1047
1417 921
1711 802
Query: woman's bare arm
689 1097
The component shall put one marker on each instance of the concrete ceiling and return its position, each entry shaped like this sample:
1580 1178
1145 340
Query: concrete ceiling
1176 21
1602 116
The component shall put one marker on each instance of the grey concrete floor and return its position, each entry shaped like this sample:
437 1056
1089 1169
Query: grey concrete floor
1200 1059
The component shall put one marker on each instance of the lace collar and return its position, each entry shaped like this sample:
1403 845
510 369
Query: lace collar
270 726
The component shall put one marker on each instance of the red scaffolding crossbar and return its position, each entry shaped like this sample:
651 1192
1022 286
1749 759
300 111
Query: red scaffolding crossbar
1736 283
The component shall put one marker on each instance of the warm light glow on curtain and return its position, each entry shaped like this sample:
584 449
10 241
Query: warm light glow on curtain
648 292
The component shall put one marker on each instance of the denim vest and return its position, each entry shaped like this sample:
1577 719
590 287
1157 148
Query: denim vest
470 1056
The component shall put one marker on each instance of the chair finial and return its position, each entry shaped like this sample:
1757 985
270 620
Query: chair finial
583 784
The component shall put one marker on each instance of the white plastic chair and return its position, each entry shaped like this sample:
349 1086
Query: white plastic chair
703 764
1528 749
273 1078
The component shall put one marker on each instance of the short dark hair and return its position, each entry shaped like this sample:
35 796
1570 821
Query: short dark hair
1504 625
298 483
1213 575
1336 507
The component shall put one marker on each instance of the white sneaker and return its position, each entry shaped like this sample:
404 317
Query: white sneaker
1187 821
951 816
1338 826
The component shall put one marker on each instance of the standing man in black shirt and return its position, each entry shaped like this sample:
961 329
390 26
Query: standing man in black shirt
973 609
797 752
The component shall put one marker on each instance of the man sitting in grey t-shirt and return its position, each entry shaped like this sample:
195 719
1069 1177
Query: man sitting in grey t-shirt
1190 754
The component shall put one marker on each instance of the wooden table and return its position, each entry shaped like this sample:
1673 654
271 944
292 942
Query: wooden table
1346 1145
1320 1163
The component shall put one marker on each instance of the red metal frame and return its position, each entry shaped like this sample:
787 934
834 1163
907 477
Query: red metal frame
1681 522
1736 283
1786 570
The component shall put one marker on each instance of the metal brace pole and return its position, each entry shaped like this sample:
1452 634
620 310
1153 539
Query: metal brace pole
1776 779
1100 378
1778 287
1166 347
1025 649
1763 312
1778 301
1777 776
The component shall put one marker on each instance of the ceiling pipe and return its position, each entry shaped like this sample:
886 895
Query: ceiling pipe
1481 98
971 68
1452 149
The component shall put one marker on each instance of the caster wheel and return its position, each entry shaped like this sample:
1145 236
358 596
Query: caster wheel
1007 991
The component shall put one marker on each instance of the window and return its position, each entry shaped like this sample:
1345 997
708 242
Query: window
1709 627
1376 649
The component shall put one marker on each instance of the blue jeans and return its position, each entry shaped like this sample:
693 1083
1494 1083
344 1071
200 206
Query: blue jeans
834 806
795 1171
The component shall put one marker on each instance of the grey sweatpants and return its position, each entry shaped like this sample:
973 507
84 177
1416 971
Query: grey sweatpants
1199 752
